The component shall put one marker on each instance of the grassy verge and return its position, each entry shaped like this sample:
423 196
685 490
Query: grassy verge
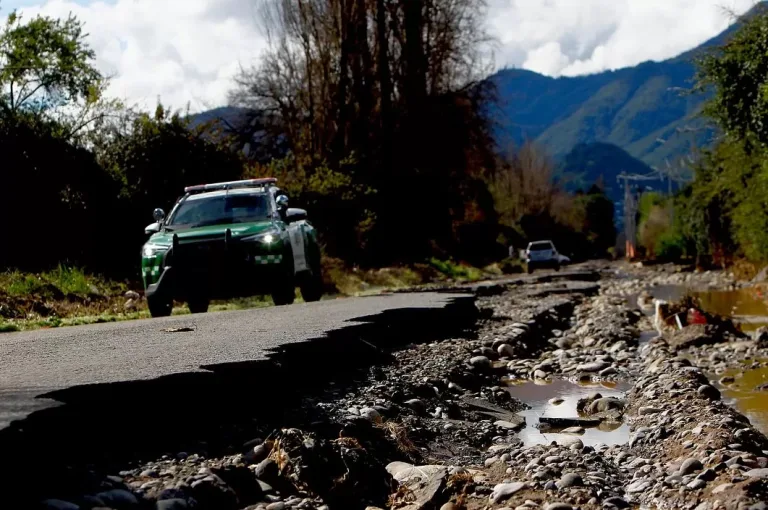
71 297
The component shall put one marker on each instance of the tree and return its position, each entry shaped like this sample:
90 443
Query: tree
738 72
47 74
397 87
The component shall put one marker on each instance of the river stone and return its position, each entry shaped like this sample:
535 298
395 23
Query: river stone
556 401
608 371
508 424
708 391
646 410
573 430
118 498
172 504
570 480
690 466
595 366
504 491
616 502
540 374
757 473
558 506
569 442
58 504
606 404
480 363
638 486
370 414
416 405
697 484
506 350
722 488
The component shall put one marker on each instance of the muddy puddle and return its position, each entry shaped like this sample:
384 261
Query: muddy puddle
744 393
539 394
747 307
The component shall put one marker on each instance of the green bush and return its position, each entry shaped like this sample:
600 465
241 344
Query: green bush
671 246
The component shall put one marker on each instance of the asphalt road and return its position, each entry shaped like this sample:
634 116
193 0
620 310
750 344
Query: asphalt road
38 362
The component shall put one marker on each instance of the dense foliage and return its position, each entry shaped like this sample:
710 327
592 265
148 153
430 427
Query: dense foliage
724 212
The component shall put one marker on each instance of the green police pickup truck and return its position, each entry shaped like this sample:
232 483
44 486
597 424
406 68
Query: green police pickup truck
230 239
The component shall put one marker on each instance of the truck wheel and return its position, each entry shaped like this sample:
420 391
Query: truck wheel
557 267
530 269
284 286
159 306
198 304
312 282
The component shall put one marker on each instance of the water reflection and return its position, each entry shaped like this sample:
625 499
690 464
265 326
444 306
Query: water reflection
538 395
744 395
747 307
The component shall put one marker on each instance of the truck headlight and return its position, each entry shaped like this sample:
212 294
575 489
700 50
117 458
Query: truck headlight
265 238
151 250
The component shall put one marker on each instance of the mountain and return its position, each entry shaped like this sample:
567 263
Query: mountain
589 163
647 110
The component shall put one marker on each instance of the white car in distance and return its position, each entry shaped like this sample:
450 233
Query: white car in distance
543 254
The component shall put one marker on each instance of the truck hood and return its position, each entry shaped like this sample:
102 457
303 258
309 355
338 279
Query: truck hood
212 232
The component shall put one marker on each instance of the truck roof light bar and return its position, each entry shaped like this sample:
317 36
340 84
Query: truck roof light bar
248 183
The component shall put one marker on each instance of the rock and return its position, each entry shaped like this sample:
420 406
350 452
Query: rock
277 505
616 502
260 452
504 491
605 404
118 498
540 374
708 391
416 405
573 430
131 294
707 475
556 401
558 506
480 363
722 488
570 480
727 380
757 473
570 442
267 470
425 483
509 425
697 484
172 504
370 414
58 504
690 466
506 350
646 410
595 366
608 371
638 486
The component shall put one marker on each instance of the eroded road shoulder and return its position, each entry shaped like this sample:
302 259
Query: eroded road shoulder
552 396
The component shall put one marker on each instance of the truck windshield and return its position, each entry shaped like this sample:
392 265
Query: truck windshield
541 246
221 210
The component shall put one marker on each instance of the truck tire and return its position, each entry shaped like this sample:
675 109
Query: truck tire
530 268
198 304
159 306
311 284
284 285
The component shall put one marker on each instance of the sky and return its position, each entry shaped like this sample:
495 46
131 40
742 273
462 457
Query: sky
186 52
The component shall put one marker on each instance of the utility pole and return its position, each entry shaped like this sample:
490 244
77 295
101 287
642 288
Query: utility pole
630 209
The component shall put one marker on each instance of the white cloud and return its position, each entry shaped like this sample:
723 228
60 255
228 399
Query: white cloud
572 37
182 51
189 50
